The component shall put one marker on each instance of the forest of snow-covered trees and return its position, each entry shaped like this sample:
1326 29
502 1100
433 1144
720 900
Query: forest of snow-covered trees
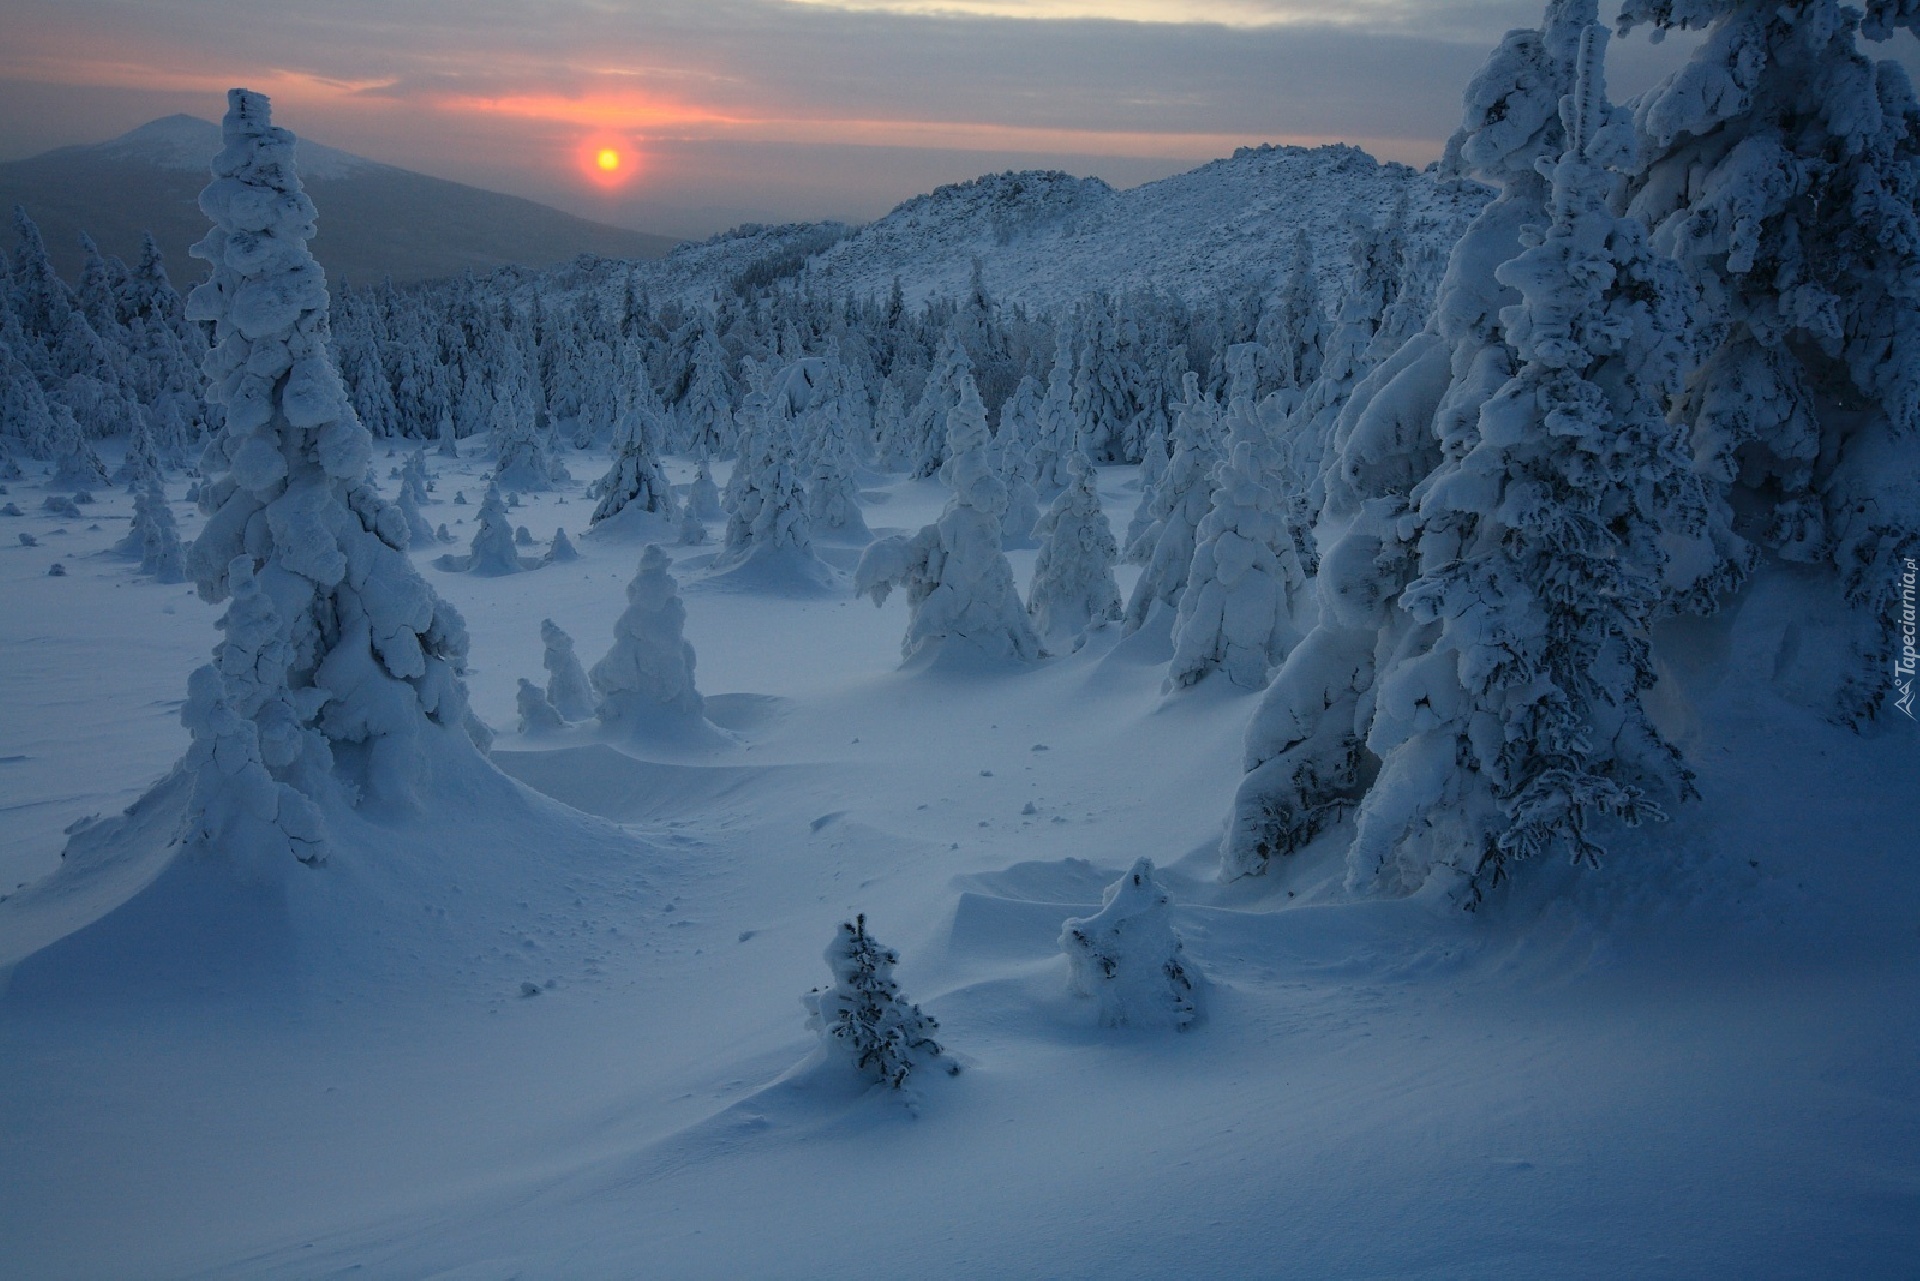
1450 502
1435 516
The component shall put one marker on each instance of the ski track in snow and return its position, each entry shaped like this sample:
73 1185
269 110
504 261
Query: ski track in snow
1699 1061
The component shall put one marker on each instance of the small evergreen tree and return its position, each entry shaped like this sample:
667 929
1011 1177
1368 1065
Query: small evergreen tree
864 1021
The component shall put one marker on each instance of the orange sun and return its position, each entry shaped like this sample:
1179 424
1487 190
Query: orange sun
607 161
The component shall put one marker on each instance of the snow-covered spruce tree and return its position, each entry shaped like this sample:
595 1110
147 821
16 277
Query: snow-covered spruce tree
537 713
1782 168
864 1021
645 682
1128 958
76 465
492 551
339 671
1073 588
419 530
833 500
1055 428
1517 724
926 427
1244 588
767 516
634 482
561 549
526 461
567 686
1181 502
703 496
1292 326
958 582
706 411
1306 754
154 537
142 463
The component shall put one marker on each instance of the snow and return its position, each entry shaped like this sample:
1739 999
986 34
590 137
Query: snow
1564 1084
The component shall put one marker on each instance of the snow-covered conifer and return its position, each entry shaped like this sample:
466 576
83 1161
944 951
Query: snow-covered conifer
863 1020
154 537
142 462
524 442
1781 166
332 639
1237 613
1128 958
492 551
645 682
537 714
1181 502
958 582
926 427
1306 752
561 549
703 496
634 482
1073 587
706 411
1518 724
567 686
419 531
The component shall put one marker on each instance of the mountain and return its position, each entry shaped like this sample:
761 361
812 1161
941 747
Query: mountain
375 220
1041 239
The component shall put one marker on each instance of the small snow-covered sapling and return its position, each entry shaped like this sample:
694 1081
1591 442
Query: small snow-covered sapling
863 1020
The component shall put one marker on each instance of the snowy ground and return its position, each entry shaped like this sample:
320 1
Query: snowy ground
1702 1061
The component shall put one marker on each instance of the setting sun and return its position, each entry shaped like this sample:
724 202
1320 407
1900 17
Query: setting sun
607 160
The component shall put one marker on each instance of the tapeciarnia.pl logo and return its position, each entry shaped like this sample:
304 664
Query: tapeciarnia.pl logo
1904 664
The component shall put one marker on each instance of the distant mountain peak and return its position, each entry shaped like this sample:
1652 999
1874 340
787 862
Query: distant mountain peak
189 143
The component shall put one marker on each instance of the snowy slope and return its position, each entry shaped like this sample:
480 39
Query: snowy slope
1045 238
1698 1061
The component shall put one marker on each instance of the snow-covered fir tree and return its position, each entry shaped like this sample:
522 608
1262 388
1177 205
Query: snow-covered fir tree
1306 755
958 582
537 713
1238 612
947 384
1073 587
864 1021
703 496
1513 724
634 482
645 683
334 652
1128 958
1782 168
568 688
1181 502
492 551
154 537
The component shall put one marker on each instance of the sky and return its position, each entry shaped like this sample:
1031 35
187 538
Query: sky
722 111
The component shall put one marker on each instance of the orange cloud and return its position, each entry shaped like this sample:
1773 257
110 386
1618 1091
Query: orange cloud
662 118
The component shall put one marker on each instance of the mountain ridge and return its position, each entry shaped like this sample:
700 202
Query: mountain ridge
376 220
